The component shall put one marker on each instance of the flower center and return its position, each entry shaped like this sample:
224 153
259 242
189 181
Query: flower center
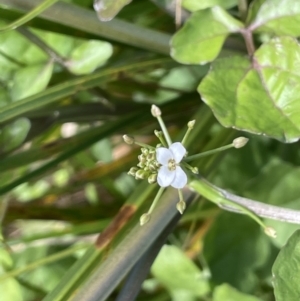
172 164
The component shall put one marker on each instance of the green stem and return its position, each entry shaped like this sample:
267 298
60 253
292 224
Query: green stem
188 166
42 45
143 145
164 130
212 193
43 261
86 20
161 138
183 141
29 16
211 152
180 195
158 195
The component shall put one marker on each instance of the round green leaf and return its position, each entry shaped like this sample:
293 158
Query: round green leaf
14 134
201 38
286 270
172 261
194 5
276 17
30 80
262 96
88 56
235 256
225 292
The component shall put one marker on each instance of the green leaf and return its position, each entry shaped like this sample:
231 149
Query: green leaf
14 134
225 292
12 290
276 17
194 5
261 98
30 80
10 286
235 256
88 56
189 279
286 276
201 38
67 88
62 44
102 150
277 184
108 9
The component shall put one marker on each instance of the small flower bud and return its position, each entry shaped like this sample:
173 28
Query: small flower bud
145 151
141 174
155 111
128 139
152 178
153 166
240 142
145 218
181 206
141 164
132 171
142 158
270 232
191 124
150 157
158 134
195 170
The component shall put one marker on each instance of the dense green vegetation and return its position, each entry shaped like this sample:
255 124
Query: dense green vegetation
76 76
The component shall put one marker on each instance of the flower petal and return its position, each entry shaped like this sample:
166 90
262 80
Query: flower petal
178 151
163 155
180 178
165 176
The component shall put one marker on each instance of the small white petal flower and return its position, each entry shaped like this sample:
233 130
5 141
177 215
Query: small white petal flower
170 173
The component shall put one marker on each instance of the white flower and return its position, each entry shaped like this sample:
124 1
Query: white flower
170 173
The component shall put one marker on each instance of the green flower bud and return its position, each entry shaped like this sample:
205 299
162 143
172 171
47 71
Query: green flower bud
152 178
270 232
141 165
158 134
153 166
181 206
144 219
240 142
132 171
195 170
142 158
141 174
127 139
155 111
145 151
191 124
150 157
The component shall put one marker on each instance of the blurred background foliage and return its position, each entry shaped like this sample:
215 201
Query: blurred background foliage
69 90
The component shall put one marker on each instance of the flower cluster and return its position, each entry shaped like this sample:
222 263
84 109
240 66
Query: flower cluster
147 168
166 164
